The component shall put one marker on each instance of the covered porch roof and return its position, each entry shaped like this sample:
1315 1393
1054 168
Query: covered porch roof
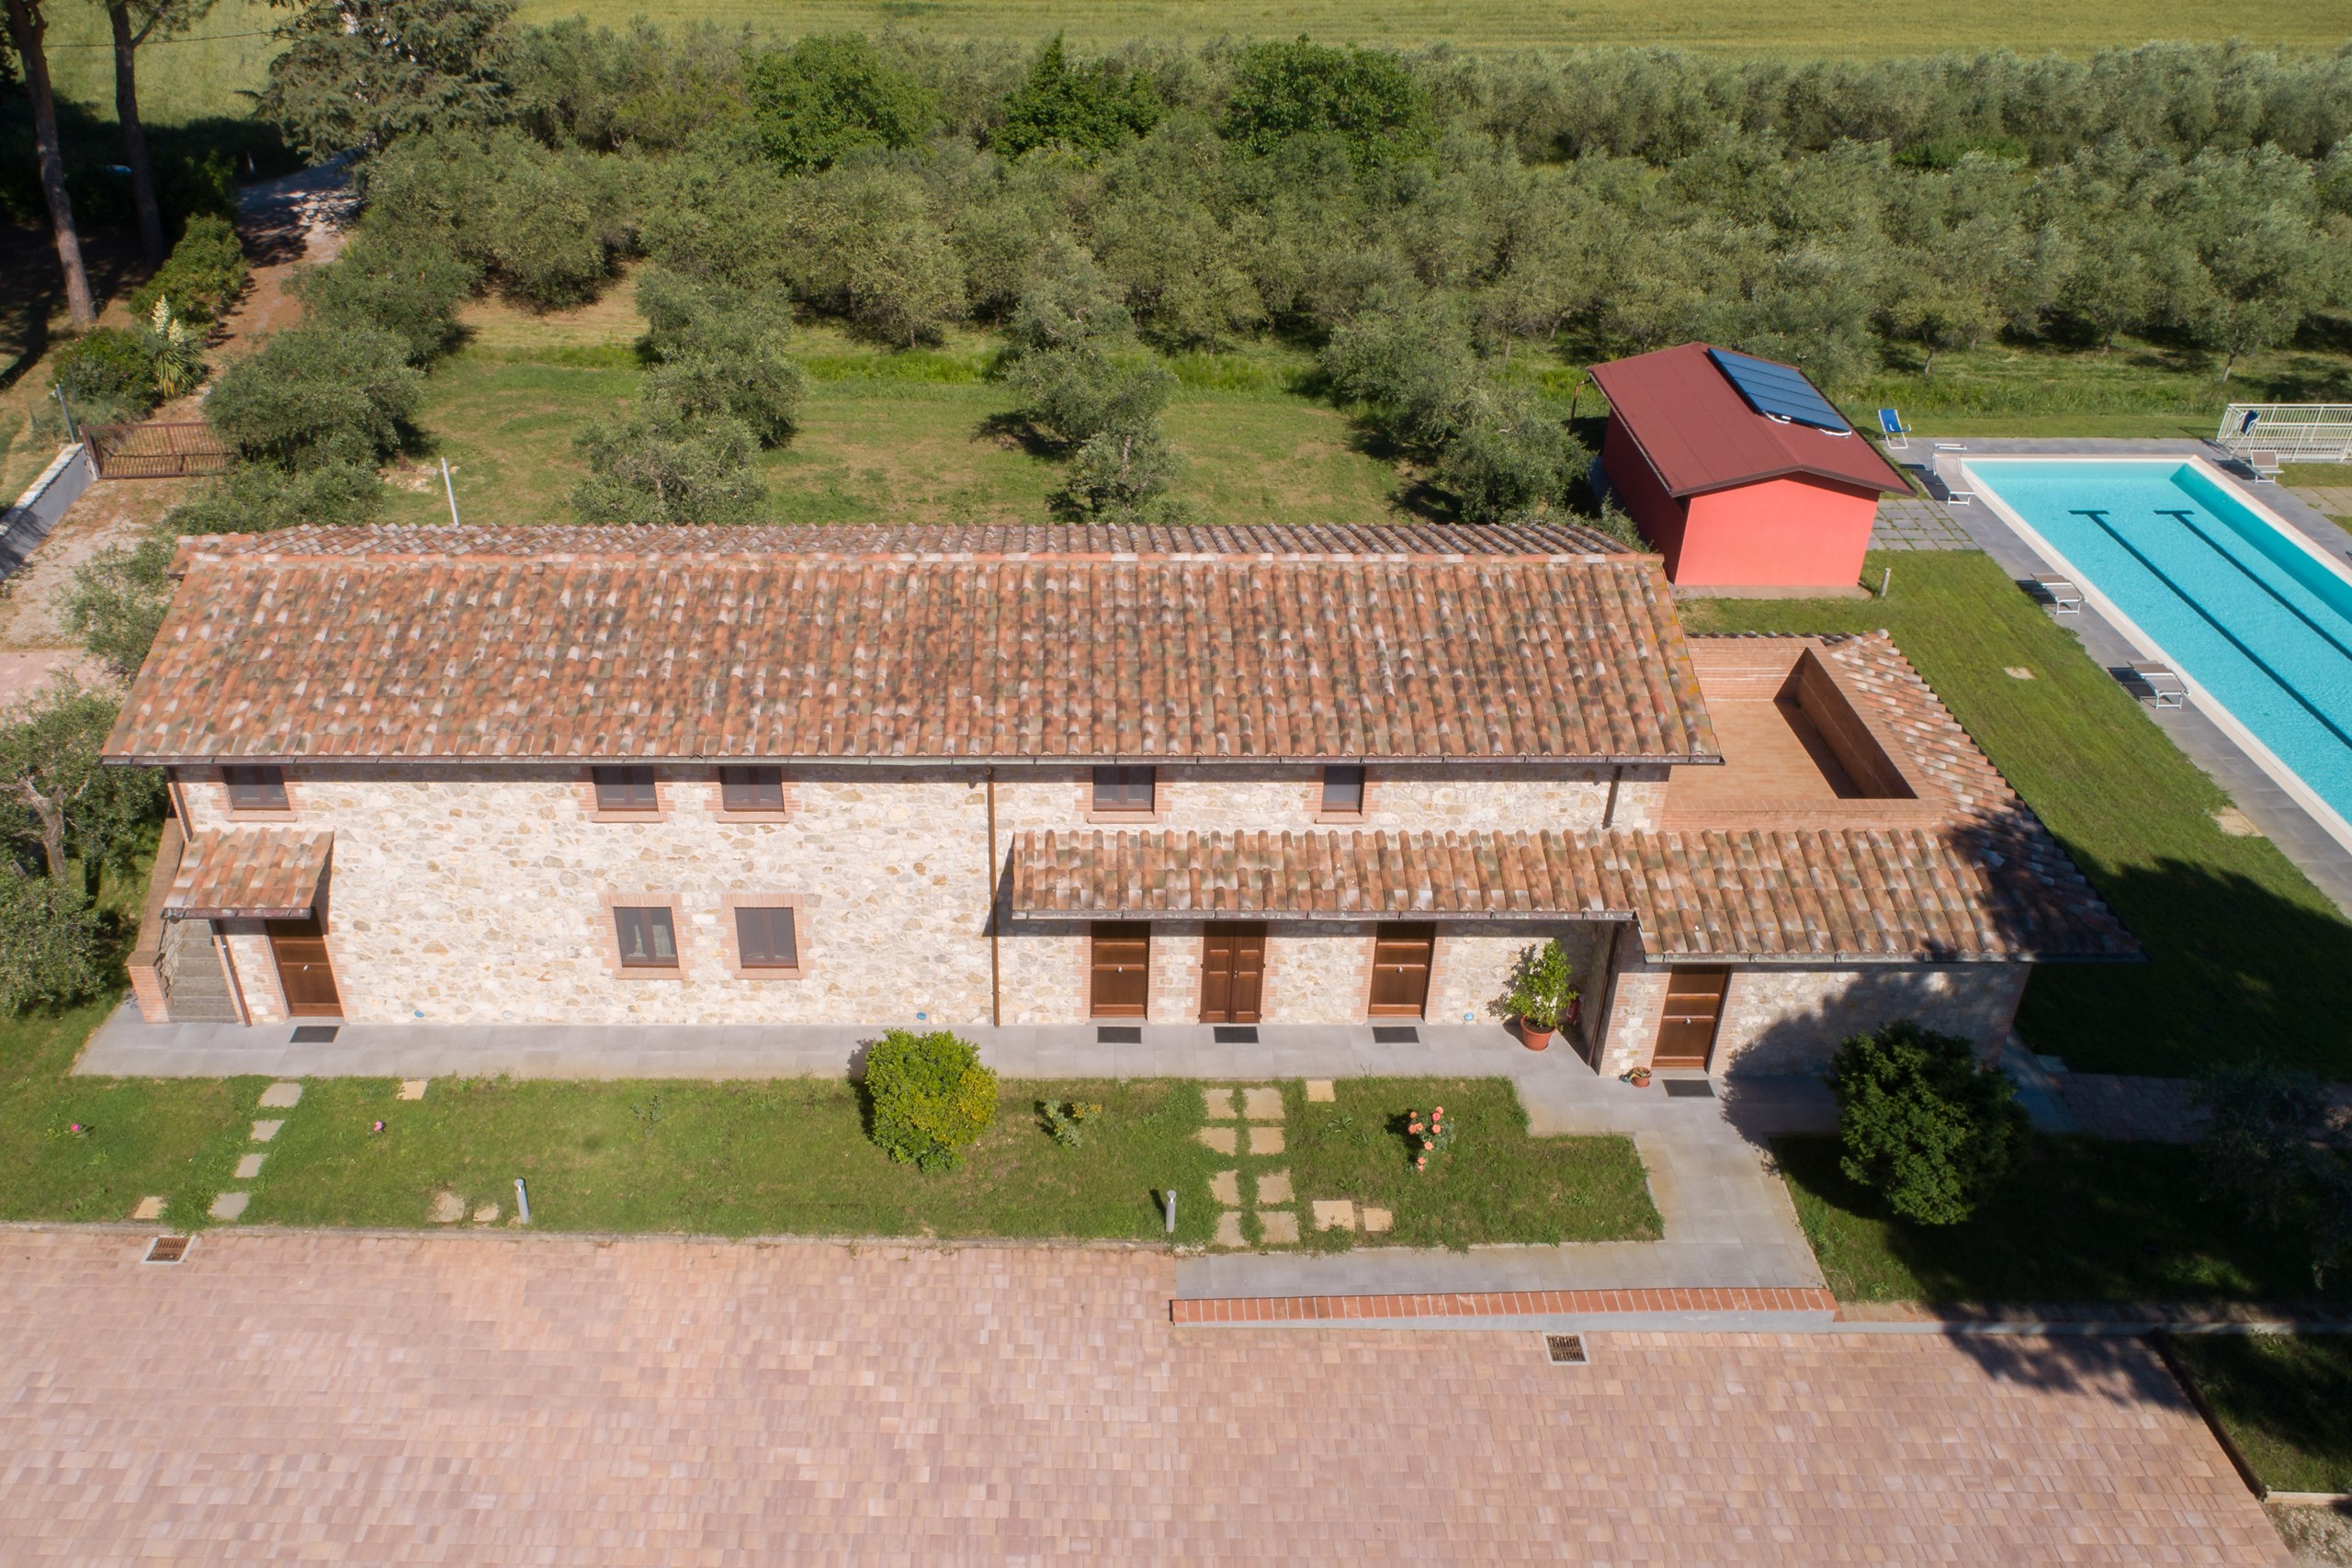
251 873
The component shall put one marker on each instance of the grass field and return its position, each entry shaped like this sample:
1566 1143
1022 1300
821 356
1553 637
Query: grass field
229 50
885 436
1495 1184
2078 1220
2285 1399
2245 955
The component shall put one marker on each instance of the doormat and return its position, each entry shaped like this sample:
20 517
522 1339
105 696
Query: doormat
1118 1034
1690 1089
1236 1034
1396 1034
314 1034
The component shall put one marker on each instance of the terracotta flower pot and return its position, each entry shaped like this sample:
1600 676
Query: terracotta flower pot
1534 1038
1641 1076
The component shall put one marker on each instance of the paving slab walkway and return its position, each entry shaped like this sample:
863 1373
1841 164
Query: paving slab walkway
488 1401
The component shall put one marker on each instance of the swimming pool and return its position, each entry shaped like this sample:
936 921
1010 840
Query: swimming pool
2255 619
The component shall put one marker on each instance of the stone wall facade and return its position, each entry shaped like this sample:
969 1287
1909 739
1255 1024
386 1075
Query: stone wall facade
1782 1018
483 894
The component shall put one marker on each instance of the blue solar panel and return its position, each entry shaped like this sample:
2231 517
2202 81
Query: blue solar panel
1778 393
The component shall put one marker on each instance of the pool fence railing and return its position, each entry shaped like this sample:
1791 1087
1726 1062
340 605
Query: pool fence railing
2291 432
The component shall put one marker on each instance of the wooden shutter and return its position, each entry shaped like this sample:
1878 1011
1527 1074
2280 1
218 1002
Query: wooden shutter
1233 972
1401 970
1686 1029
299 948
1122 980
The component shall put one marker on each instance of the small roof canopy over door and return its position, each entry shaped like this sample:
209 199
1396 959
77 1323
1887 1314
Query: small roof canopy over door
269 873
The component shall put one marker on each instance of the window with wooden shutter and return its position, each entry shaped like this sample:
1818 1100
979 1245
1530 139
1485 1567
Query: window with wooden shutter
647 936
255 789
751 789
1343 792
765 938
626 789
1124 790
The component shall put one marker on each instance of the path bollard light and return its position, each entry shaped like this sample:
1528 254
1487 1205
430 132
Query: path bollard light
522 1202
1171 1211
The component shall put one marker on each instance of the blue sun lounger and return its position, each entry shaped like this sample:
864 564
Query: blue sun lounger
1890 425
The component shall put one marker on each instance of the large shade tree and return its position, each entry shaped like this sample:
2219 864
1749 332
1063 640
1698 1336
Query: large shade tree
27 27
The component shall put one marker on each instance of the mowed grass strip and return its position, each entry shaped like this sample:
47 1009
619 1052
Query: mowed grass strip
2245 957
782 1156
1497 1183
2285 1399
2077 1220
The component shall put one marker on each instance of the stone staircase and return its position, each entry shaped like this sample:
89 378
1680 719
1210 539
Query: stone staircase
195 989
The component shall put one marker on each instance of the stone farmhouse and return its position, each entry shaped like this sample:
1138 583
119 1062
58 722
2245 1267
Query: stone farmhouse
1189 776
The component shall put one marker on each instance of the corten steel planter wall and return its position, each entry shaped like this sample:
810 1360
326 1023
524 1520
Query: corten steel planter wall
157 451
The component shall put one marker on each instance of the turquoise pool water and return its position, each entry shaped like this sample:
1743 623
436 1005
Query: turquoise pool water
2236 606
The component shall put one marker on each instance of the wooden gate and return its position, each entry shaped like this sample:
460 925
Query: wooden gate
157 451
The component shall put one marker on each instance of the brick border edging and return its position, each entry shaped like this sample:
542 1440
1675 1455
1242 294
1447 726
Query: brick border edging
1495 1303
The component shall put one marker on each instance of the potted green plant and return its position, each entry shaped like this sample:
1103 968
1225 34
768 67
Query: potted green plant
1541 992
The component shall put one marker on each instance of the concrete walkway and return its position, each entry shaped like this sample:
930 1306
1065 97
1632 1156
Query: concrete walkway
2272 811
1728 1215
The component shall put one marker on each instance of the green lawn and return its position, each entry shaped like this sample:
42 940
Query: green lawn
2078 1220
2245 956
1497 1184
2285 1400
899 438
177 1138
744 1159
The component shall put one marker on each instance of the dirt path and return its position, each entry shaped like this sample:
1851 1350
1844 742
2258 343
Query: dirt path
294 221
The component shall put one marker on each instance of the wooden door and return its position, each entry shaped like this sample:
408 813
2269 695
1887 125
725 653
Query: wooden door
1694 1006
300 949
1401 970
1121 969
1233 972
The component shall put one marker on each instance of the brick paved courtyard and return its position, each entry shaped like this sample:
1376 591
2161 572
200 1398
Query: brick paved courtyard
487 1400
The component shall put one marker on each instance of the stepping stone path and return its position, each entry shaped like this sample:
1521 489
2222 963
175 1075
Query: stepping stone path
1260 1111
232 1205
149 1209
412 1088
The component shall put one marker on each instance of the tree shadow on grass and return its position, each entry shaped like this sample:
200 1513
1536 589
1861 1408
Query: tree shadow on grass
2236 970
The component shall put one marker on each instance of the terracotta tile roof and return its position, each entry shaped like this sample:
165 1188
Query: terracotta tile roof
1700 434
1336 541
328 652
255 873
1981 879
1849 896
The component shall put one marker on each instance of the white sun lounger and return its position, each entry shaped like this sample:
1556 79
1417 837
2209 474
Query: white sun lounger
2063 596
2165 687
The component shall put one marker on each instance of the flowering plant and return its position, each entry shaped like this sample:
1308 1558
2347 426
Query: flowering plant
1430 1134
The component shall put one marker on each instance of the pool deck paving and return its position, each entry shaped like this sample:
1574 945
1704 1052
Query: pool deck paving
493 1399
2269 808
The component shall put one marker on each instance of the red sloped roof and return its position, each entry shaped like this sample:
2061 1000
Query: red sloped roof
1700 434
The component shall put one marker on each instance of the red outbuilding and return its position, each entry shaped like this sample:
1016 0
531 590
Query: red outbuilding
1740 472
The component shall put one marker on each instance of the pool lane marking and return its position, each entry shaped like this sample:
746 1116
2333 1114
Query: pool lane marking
2255 577
2099 517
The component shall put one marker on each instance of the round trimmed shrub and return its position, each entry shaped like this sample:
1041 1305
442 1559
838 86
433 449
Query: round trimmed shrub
1922 1123
932 1097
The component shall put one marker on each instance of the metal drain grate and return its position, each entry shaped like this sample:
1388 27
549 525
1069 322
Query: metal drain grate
1236 1034
1396 1034
1565 1349
314 1034
1690 1089
1118 1034
167 1249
